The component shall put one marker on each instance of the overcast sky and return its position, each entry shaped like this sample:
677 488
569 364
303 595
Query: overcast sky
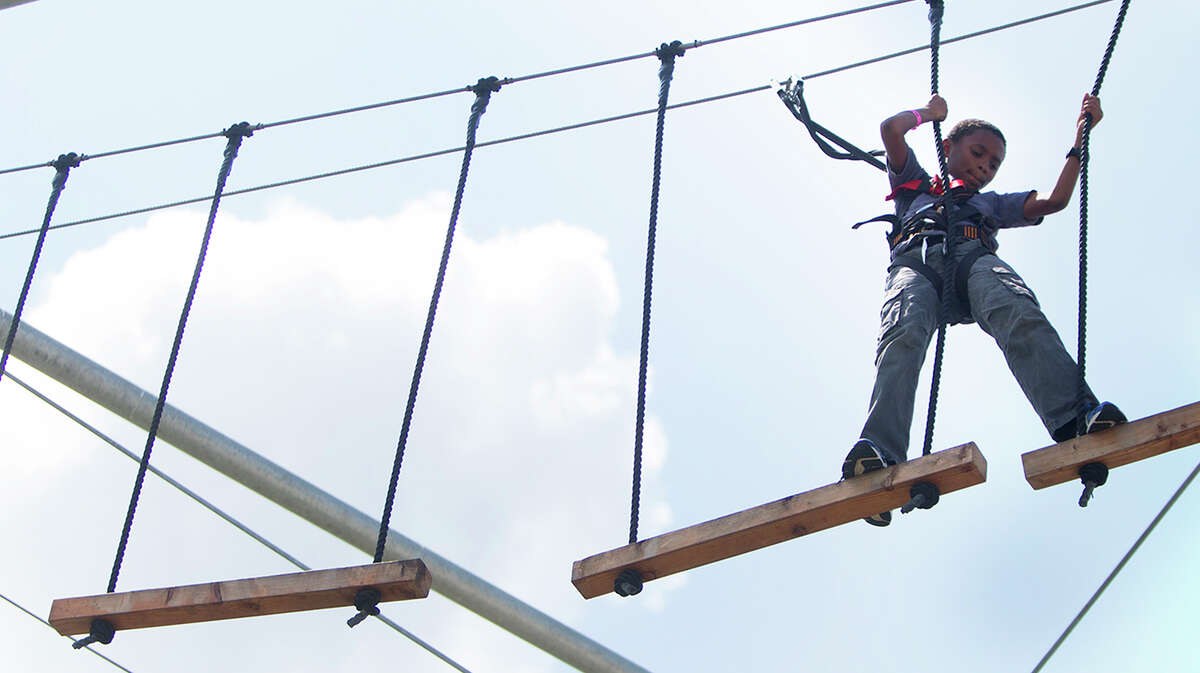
306 325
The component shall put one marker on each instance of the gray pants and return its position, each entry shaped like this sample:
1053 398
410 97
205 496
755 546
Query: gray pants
1003 306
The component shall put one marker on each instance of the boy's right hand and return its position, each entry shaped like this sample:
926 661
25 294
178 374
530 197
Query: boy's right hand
937 108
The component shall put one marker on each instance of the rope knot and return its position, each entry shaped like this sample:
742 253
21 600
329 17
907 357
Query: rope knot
667 52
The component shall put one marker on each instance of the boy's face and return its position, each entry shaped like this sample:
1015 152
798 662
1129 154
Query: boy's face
975 157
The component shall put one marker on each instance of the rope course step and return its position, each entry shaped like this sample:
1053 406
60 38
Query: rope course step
1124 444
276 594
795 516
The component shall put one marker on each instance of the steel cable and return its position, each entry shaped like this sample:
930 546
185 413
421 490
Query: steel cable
465 89
551 131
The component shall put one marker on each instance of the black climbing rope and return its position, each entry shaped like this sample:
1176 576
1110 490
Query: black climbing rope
936 9
483 93
1084 154
62 168
235 134
666 69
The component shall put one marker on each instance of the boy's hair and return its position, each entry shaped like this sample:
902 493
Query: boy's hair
969 126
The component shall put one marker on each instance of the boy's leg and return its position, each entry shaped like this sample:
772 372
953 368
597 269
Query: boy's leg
908 320
1007 309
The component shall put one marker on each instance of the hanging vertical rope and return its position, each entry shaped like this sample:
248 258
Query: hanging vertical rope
483 93
666 55
62 166
936 9
1084 155
235 134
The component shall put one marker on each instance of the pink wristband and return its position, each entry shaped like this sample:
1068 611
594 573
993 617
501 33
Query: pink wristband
918 116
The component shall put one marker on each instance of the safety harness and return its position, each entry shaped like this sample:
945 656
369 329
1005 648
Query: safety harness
930 224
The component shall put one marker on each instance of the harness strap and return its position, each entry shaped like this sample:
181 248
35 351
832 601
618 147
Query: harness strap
963 272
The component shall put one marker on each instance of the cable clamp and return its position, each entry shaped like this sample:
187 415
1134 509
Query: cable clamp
924 496
486 85
241 130
667 52
1092 475
366 601
101 631
67 161
628 583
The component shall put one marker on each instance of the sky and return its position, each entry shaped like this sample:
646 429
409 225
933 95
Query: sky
306 325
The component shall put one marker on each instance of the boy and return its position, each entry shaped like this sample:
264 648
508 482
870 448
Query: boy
984 289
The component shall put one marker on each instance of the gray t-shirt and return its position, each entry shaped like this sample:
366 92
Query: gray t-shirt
1000 211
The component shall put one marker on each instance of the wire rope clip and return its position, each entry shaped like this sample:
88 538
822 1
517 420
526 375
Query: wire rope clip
628 583
924 496
100 631
1092 475
366 601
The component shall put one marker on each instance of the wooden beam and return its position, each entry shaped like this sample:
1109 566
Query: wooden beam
775 522
294 592
1124 444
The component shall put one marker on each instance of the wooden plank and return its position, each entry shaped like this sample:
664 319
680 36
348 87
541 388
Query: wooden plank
775 522
294 592
1124 444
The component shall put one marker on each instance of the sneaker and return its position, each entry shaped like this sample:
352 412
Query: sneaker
865 457
1102 417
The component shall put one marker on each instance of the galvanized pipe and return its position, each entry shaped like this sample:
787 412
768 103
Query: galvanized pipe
306 500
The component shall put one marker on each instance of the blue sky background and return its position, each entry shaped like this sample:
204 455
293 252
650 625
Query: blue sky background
308 317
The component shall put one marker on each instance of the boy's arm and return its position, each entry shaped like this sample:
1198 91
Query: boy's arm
1036 207
893 129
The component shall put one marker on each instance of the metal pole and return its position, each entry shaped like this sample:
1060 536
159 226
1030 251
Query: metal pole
306 500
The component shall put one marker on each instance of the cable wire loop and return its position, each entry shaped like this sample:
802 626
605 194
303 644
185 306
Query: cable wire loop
235 134
483 89
666 54
62 168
